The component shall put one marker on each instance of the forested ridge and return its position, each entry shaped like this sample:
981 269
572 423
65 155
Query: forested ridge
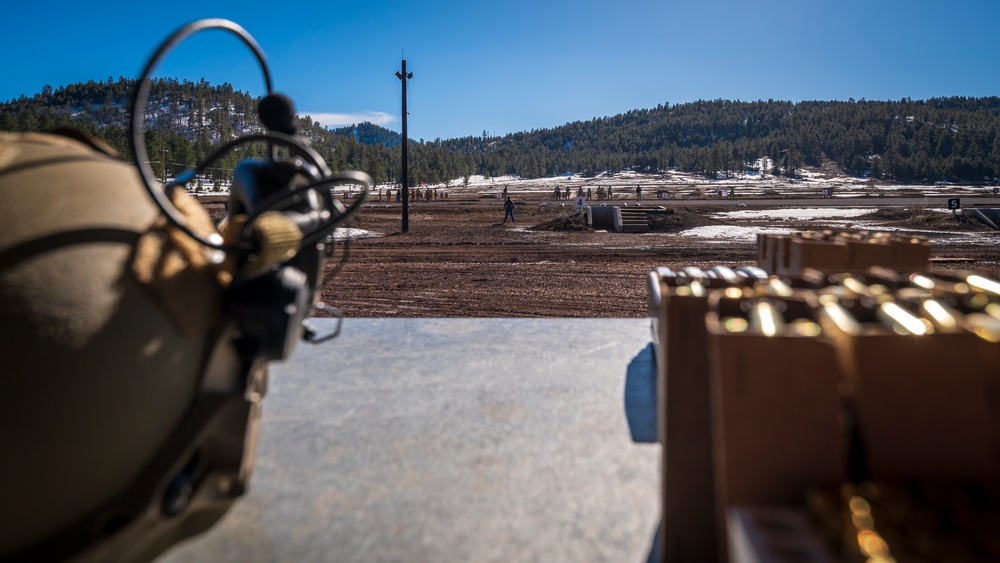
906 141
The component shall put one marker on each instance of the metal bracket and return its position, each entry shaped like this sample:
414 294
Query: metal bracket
310 334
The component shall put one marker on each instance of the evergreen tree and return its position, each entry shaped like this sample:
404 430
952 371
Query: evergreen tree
905 140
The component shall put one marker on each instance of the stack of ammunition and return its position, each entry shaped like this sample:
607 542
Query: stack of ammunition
839 252
909 521
771 386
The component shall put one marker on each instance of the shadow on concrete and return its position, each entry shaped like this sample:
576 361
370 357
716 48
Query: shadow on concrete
640 410
640 397
655 556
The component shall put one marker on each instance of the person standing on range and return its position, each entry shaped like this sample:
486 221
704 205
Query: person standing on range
509 210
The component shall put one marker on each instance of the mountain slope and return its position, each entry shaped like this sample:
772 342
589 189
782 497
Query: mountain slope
954 139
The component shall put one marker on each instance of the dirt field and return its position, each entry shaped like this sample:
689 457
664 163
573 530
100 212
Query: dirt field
459 260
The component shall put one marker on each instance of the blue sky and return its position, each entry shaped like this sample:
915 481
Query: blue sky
513 65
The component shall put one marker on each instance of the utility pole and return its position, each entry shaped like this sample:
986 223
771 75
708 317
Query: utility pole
163 166
404 78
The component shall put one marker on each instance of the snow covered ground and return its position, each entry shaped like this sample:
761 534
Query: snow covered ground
726 233
818 216
674 184
745 223
772 220
353 234
796 214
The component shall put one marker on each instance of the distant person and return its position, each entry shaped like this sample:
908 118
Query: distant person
638 193
609 193
509 210
567 192
505 192
558 193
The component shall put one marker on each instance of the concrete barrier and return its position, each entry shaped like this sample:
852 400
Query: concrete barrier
606 217
987 216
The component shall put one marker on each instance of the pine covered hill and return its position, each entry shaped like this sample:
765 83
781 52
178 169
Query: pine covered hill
906 141
370 134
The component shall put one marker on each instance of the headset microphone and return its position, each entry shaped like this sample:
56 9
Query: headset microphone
277 113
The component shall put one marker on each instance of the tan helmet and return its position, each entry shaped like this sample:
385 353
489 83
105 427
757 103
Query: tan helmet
127 423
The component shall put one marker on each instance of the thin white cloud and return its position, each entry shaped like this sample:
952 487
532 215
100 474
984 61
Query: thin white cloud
344 119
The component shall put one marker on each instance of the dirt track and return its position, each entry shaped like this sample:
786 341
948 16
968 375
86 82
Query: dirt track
459 260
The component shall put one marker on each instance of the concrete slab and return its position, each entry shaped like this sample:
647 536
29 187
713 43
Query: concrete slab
454 440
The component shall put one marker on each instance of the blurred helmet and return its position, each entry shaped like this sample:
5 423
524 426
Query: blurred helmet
128 417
